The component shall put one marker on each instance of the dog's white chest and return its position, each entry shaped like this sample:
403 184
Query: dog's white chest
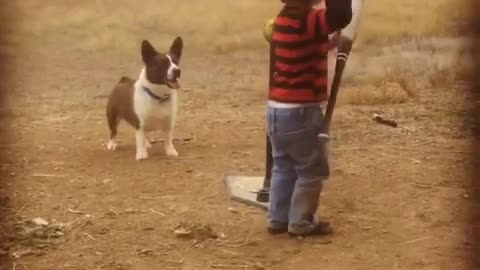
153 114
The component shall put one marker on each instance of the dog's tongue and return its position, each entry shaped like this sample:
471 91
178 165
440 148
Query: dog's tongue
173 84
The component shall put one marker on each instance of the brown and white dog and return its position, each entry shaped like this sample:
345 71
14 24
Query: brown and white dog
150 102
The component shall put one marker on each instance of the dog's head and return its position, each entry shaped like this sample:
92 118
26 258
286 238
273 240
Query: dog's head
163 68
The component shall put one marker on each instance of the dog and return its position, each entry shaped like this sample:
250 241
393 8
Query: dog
150 102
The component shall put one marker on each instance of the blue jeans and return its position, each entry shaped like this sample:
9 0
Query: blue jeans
300 165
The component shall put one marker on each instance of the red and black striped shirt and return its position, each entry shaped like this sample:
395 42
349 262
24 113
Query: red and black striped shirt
300 50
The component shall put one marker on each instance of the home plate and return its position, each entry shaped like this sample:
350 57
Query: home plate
244 189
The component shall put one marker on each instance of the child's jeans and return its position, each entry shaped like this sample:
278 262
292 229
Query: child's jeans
300 166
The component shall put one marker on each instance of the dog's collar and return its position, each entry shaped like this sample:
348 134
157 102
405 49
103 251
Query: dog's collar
158 98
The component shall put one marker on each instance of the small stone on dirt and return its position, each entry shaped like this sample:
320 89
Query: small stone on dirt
41 246
22 253
198 245
40 222
145 252
233 210
130 211
182 233
199 232
106 181
322 243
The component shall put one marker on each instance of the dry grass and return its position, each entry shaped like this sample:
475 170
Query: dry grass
397 73
217 25
388 93
387 22
403 43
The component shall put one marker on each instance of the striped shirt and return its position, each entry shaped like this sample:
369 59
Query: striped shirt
300 48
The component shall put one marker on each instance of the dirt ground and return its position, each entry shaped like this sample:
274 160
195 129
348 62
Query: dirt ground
398 197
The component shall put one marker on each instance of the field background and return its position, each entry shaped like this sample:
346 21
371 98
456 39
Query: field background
398 197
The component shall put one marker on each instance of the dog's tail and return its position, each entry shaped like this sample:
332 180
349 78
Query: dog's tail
126 79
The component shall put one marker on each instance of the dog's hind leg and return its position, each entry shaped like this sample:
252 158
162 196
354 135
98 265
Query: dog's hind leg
113 121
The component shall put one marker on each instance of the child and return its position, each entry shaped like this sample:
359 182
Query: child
300 41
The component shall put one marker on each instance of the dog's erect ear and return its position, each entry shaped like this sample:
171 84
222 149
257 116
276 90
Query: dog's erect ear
148 52
177 48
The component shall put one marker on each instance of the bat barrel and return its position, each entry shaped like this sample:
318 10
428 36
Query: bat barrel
347 37
344 49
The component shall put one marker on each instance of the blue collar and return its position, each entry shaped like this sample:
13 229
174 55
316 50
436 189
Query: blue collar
158 98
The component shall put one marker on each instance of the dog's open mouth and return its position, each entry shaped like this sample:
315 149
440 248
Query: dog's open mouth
173 84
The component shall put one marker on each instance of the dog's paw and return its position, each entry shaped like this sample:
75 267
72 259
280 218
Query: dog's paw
112 145
141 154
171 152
147 144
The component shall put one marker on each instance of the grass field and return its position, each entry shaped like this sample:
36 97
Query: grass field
396 32
219 26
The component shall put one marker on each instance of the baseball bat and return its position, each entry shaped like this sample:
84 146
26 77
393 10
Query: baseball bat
347 37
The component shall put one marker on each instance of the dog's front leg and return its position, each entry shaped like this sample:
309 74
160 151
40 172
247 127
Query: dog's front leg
141 147
169 148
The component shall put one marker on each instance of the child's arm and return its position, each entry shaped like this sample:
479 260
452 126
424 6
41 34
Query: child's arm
334 40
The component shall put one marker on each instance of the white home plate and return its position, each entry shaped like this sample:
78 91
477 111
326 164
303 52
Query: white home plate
243 189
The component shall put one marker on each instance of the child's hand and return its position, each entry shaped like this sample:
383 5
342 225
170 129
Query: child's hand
334 40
